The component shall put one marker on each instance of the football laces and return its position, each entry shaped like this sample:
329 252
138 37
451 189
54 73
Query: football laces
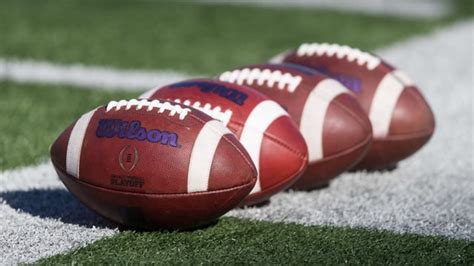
271 78
150 105
340 51
214 112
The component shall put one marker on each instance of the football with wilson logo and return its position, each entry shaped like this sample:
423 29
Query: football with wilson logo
402 120
264 128
153 164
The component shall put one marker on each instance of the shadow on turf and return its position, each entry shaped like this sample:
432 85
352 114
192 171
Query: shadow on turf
390 168
125 228
55 204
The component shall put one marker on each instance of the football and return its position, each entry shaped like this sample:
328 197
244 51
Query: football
402 120
153 164
336 129
264 128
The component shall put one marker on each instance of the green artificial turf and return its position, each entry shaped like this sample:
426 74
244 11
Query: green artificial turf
148 34
203 39
463 8
33 116
233 241
197 39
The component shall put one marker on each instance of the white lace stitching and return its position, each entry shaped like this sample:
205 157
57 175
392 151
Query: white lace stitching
150 104
216 112
310 49
271 78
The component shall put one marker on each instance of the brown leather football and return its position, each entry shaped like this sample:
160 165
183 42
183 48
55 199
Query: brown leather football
402 120
331 120
153 164
271 138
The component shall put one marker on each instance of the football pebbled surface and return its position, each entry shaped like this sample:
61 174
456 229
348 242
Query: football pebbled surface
402 120
428 194
335 127
263 127
108 159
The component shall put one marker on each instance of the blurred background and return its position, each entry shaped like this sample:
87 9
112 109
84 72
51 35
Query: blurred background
59 59
204 37
86 44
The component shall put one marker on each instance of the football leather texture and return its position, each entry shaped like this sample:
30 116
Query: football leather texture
264 128
153 164
336 129
401 118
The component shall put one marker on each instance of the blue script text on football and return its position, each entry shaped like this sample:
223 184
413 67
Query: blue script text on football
110 128
231 94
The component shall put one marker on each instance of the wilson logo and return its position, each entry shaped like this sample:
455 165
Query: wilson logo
111 128
352 83
230 94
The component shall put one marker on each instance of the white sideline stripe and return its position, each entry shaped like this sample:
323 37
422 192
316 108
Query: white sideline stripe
103 78
261 117
384 101
74 145
29 178
314 112
402 8
27 236
202 155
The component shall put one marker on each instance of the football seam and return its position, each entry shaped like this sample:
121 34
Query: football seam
347 151
299 172
247 161
301 155
353 115
415 135
151 193
420 133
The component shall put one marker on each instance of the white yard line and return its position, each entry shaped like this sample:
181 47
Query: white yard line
403 8
39 218
103 78
430 193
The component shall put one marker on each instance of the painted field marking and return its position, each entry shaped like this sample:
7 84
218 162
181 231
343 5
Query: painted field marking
97 77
